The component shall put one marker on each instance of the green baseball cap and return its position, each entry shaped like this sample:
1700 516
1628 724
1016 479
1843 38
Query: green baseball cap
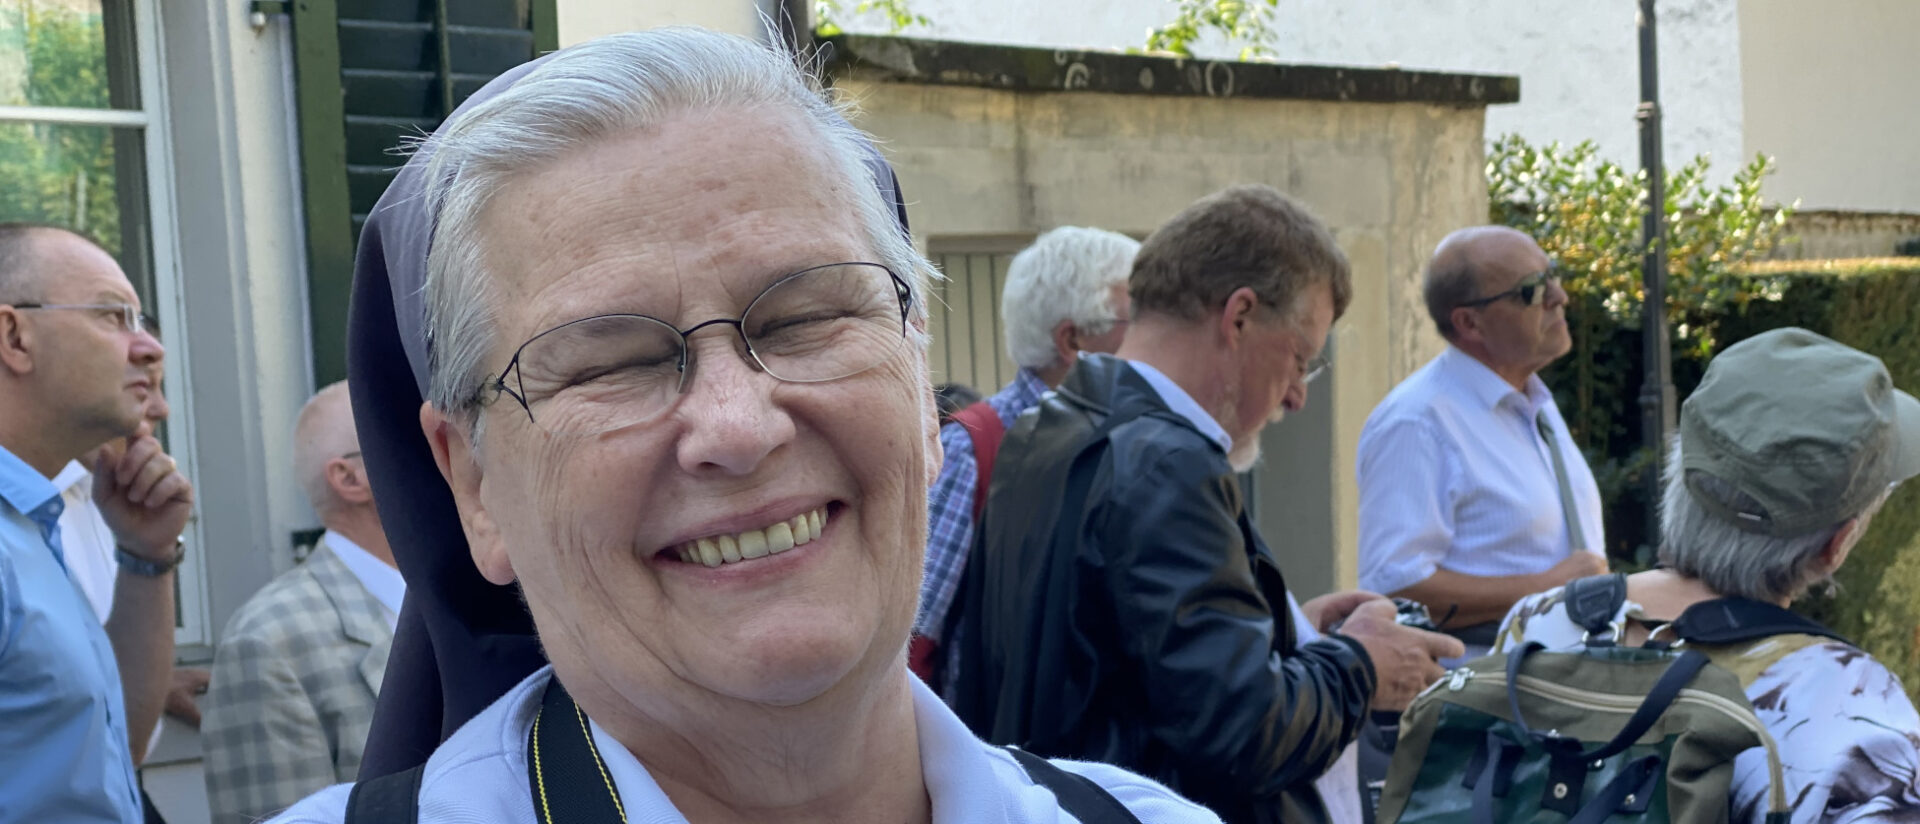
1811 429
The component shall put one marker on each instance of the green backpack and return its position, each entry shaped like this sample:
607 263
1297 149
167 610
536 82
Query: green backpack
1602 733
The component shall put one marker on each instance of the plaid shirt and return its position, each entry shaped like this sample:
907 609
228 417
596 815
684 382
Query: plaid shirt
294 683
950 504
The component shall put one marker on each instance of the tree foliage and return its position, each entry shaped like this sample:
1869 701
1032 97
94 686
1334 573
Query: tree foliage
58 173
1249 22
898 14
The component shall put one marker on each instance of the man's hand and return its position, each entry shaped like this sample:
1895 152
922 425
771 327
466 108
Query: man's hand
188 682
1405 660
1578 565
142 496
1332 608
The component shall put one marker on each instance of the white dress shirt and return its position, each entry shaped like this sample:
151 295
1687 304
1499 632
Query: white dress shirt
1454 474
480 774
382 581
87 540
1339 786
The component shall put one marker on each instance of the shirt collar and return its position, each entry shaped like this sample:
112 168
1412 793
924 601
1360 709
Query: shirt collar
1487 385
382 581
73 473
959 774
1183 404
27 491
1028 387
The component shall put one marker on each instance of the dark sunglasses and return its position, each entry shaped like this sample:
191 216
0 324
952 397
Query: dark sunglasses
1530 291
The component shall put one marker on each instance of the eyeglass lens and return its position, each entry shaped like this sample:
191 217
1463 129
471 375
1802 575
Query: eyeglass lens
611 371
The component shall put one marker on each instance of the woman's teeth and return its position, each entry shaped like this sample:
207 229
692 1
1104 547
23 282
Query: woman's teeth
773 539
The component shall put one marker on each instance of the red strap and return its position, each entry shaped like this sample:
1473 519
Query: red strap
920 658
983 423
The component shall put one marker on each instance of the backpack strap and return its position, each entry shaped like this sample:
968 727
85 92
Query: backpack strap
390 799
983 425
1733 620
1593 601
1087 802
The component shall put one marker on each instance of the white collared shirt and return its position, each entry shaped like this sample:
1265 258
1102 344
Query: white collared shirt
86 539
480 774
382 581
1339 786
1453 474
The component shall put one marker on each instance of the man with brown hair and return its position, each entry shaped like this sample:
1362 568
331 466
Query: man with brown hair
1121 606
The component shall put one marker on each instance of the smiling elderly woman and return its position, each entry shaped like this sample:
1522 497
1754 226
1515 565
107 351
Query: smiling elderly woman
679 391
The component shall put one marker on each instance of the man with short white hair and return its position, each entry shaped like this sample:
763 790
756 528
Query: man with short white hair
1066 294
298 670
1472 492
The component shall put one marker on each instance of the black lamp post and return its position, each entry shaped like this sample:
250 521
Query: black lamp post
1656 393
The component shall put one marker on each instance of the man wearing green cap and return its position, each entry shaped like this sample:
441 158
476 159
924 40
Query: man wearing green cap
1785 452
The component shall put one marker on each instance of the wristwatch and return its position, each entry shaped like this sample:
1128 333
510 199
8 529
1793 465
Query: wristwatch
150 569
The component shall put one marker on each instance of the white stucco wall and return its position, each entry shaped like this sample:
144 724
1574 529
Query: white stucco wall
1577 59
587 19
1830 92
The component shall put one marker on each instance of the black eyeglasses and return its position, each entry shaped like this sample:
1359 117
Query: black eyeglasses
606 372
1530 291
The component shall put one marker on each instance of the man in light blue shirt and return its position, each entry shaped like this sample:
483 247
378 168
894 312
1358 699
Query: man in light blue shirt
73 374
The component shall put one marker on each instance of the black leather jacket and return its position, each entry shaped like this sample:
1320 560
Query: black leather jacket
1120 607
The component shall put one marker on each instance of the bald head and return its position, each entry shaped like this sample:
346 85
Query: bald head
20 274
1460 267
324 432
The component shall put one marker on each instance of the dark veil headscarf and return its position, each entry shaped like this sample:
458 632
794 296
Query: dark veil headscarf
462 642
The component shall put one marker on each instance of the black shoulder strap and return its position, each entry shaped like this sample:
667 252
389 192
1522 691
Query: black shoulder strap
1733 620
1594 600
565 775
393 798
1086 801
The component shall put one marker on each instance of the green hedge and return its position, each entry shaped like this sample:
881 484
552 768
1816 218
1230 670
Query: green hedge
1870 304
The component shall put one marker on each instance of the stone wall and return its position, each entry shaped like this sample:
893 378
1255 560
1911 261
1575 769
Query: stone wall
1823 235
1391 178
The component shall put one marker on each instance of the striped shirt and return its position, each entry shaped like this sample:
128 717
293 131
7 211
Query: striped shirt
1454 473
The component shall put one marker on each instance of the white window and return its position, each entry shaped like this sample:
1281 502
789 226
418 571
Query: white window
83 144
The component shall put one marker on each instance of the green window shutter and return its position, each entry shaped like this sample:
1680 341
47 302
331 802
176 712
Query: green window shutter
368 74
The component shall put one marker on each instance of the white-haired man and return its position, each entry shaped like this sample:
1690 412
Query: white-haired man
1786 451
1066 294
298 669
678 391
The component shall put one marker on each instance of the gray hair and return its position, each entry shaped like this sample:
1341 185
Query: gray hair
1067 274
323 432
584 94
1730 560
1450 281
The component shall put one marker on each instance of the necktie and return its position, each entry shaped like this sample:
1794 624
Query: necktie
1576 537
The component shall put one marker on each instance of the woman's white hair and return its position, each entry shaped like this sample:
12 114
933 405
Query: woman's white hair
1730 560
584 94
1067 274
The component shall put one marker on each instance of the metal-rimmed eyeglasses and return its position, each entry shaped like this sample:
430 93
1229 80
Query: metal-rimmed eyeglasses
1530 291
130 318
607 372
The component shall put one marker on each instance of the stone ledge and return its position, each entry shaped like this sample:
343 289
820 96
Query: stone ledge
1019 68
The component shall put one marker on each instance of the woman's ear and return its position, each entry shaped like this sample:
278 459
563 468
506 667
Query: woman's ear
455 457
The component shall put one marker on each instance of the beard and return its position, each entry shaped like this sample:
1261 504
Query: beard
1245 454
